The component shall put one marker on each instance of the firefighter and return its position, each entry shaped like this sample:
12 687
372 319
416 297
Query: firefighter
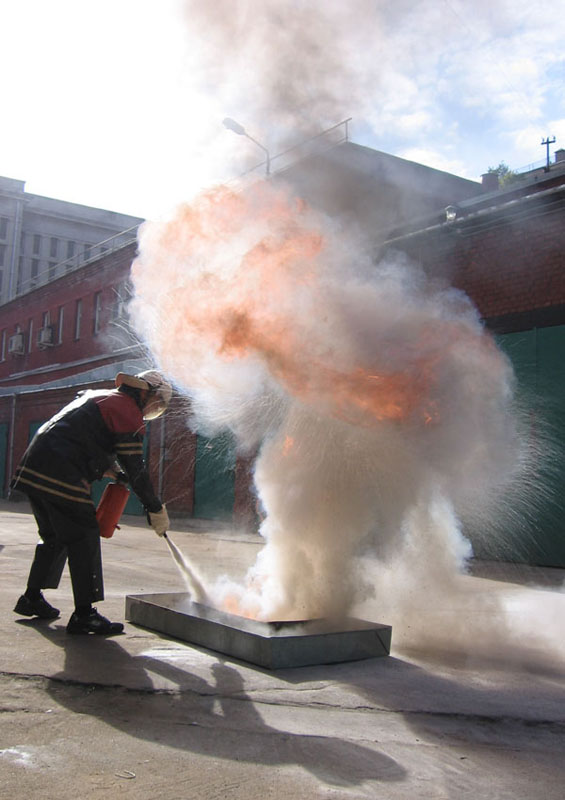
100 433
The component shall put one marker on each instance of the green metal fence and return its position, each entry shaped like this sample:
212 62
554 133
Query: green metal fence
538 358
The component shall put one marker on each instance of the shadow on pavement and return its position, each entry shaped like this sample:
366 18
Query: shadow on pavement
215 719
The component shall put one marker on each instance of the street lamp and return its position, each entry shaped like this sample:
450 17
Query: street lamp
234 126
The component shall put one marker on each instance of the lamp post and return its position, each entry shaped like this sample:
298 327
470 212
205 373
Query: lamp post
234 126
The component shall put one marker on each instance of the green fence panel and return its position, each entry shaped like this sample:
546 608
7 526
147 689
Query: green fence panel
550 532
33 428
214 480
538 358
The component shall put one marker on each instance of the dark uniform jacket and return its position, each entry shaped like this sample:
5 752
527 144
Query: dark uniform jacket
80 443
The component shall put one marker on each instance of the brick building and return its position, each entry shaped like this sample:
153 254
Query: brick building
373 190
72 334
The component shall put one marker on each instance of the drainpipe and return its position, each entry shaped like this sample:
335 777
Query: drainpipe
161 458
16 247
12 440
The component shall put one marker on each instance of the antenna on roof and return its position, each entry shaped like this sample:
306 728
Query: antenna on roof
547 142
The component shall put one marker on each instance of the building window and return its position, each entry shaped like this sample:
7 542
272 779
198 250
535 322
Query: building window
3 346
53 247
52 270
1 280
2 254
122 296
96 312
36 244
78 318
29 335
20 275
3 227
34 272
60 325
71 250
87 251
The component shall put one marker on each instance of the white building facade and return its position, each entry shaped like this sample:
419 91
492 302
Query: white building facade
42 239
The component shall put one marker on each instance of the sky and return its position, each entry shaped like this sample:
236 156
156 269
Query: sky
119 103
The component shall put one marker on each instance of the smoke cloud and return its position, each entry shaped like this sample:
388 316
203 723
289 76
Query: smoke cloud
293 68
373 393
382 412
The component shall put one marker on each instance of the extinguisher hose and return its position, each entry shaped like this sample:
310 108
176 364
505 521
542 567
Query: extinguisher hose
193 583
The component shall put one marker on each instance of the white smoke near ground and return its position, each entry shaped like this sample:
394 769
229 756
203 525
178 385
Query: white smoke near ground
372 391
194 583
437 609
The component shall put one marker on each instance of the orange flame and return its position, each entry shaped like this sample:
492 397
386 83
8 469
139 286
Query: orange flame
265 253
232 605
288 445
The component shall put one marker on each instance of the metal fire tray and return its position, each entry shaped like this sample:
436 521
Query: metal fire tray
273 645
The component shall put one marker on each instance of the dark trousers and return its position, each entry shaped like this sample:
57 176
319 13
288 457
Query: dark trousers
67 531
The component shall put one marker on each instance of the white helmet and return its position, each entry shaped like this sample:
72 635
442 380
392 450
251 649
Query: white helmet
160 390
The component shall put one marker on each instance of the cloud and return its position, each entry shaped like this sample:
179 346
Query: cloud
409 125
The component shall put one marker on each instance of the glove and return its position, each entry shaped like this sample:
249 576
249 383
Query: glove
159 521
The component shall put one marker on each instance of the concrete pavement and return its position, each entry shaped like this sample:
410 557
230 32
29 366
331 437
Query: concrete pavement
143 716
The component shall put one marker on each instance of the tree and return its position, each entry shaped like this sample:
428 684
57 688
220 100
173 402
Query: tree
506 176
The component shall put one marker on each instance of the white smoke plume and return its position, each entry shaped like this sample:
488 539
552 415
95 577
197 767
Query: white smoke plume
383 413
293 67
373 392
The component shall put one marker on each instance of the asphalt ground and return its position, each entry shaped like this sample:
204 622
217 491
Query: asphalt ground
144 716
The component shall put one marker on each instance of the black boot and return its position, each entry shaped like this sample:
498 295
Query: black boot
38 607
93 622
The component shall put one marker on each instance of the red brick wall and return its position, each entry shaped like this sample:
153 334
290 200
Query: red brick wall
245 511
172 457
515 268
507 267
103 276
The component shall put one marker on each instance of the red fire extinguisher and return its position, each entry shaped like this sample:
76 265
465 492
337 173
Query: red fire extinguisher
111 507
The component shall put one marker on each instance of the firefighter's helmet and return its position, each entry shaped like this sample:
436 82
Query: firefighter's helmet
159 391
